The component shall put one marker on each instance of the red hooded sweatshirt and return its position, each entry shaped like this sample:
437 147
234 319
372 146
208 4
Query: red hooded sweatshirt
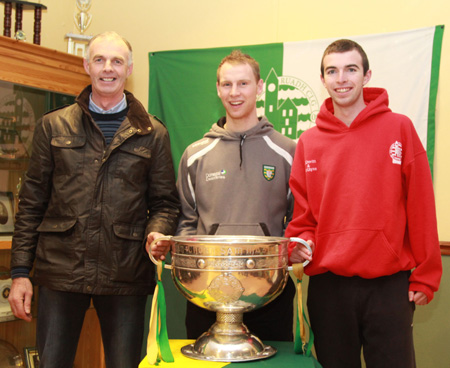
364 195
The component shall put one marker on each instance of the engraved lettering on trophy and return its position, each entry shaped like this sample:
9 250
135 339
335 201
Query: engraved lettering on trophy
231 264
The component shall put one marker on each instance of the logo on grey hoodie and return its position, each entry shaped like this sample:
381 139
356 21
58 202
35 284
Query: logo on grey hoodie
269 172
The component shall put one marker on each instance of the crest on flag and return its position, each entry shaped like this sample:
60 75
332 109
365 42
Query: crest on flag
289 103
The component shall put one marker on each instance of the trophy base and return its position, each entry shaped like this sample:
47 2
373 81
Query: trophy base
228 342
267 352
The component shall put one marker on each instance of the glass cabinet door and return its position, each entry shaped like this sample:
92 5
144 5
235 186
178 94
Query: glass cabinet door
20 108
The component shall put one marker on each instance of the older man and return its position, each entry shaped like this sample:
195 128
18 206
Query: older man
100 183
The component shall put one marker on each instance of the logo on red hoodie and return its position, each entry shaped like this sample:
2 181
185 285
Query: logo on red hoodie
396 153
310 165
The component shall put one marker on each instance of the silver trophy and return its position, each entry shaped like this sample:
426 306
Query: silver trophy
229 275
83 18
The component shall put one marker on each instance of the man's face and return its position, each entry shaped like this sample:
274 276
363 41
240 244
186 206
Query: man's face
108 67
344 78
238 90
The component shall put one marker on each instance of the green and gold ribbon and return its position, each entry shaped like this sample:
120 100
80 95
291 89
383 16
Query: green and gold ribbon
301 346
158 347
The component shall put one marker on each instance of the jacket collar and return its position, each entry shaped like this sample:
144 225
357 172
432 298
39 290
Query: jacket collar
137 115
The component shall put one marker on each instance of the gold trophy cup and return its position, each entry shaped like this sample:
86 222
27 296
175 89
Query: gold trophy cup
229 275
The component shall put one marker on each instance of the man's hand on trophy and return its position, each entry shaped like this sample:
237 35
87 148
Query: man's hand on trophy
158 249
302 254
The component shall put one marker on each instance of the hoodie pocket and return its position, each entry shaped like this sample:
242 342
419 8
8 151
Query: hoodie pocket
255 229
364 253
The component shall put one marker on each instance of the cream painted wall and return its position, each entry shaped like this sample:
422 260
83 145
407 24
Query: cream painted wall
152 25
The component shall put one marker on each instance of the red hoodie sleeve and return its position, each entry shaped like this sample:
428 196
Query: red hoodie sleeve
303 223
422 224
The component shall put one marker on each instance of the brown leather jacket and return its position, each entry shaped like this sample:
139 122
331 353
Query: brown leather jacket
86 208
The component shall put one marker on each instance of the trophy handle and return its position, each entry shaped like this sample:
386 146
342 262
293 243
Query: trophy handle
156 262
300 240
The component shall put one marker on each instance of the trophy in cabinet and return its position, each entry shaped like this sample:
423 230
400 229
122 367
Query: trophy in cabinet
83 18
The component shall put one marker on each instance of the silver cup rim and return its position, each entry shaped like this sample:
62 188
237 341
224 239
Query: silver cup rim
228 239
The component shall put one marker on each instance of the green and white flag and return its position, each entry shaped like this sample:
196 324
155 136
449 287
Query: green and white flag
183 92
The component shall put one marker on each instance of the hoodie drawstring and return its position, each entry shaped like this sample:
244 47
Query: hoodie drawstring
243 136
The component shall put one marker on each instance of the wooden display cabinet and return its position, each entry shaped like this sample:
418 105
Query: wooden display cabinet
36 79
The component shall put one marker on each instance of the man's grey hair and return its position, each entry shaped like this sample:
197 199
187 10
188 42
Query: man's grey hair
110 34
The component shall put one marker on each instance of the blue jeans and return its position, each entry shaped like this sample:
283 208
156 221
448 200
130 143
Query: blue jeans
61 316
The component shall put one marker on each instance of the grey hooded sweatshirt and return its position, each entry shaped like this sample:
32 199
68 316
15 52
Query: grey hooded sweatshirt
236 183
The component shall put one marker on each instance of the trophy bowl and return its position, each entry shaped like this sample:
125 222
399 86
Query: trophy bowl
229 275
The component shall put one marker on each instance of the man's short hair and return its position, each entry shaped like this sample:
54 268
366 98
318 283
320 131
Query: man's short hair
344 45
110 34
238 57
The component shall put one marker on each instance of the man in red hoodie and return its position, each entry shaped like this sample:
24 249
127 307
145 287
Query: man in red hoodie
364 202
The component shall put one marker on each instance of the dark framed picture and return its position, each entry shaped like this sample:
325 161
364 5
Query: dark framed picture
6 212
31 357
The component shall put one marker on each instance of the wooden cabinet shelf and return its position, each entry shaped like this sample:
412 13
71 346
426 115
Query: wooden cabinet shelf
40 67
5 244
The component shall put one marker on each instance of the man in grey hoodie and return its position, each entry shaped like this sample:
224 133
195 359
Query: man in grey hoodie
234 181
